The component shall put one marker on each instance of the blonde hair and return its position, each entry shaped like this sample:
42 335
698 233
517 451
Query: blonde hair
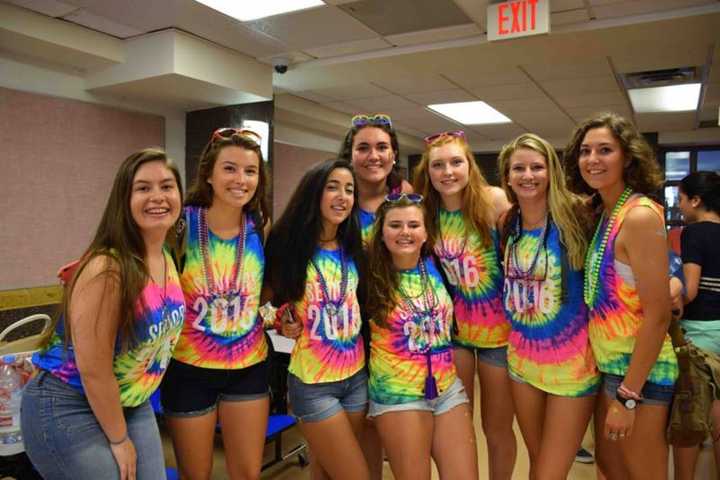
566 209
477 205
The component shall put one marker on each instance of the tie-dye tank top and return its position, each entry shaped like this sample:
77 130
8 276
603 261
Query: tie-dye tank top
367 219
616 313
399 349
548 346
475 275
330 347
222 332
159 314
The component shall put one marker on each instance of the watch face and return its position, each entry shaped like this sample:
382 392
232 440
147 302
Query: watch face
630 404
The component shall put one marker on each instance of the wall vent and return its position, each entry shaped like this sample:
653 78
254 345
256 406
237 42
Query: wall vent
662 78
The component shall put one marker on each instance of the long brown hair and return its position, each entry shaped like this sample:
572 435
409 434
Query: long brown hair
119 240
643 173
477 206
564 207
201 192
383 279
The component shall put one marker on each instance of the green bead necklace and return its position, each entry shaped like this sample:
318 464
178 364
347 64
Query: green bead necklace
592 263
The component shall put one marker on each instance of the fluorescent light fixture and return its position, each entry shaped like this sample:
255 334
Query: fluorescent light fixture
253 9
470 113
674 98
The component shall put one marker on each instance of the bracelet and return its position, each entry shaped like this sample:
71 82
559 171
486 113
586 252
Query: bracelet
121 441
627 393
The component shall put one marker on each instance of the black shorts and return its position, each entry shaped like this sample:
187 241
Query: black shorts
188 391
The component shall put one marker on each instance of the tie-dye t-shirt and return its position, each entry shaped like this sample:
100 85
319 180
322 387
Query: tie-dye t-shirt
475 276
616 313
222 333
159 314
400 347
548 346
367 219
330 347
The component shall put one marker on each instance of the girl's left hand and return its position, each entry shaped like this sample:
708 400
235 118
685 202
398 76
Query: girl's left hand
619 422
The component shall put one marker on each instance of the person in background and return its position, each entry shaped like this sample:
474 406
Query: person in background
219 370
626 291
545 237
314 255
86 415
700 206
371 145
463 211
416 398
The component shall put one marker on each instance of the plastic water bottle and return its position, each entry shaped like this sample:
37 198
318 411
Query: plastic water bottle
10 395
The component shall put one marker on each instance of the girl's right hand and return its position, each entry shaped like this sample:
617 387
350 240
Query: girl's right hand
289 327
126 458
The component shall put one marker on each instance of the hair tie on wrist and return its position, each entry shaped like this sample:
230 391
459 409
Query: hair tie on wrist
121 441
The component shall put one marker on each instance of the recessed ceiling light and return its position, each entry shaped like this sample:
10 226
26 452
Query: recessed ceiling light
470 113
674 98
252 10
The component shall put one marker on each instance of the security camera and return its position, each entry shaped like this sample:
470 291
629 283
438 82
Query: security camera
280 64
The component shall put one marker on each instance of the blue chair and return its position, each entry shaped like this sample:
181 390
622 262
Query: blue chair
172 473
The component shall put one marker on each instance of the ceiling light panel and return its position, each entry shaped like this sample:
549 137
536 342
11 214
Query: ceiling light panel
675 98
246 11
470 113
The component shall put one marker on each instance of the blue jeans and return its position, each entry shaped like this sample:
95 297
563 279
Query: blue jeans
65 442
315 402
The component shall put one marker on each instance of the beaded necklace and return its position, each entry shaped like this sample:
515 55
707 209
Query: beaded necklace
331 306
593 258
514 270
424 318
233 290
444 252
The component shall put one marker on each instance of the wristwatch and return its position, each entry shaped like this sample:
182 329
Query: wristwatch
628 403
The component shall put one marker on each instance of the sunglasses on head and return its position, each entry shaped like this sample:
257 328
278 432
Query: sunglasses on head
228 132
410 197
453 133
376 119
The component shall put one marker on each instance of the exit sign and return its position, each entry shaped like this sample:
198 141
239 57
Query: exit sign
517 18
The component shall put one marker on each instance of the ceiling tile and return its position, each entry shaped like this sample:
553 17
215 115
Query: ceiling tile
52 8
582 113
420 83
564 5
476 10
667 57
664 122
508 92
344 107
101 24
348 92
513 107
381 104
639 7
710 113
712 95
598 100
569 16
569 69
581 86
504 131
313 96
293 57
315 27
434 35
348 48
474 75
442 96
421 119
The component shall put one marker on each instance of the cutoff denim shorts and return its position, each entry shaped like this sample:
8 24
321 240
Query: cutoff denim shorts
314 402
449 399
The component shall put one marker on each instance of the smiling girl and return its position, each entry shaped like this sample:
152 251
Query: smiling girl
219 368
314 272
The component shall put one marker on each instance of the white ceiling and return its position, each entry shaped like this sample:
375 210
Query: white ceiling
545 84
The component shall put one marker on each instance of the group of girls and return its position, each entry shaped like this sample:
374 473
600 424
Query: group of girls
397 300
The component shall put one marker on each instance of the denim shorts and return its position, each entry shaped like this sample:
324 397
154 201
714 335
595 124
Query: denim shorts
496 356
652 393
314 402
65 441
449 399
190 391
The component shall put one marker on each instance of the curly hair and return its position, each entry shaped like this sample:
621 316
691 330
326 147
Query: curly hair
382 276
477 206
565 208
201 192
643 173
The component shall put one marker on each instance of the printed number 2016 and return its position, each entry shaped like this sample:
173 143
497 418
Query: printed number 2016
467 273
